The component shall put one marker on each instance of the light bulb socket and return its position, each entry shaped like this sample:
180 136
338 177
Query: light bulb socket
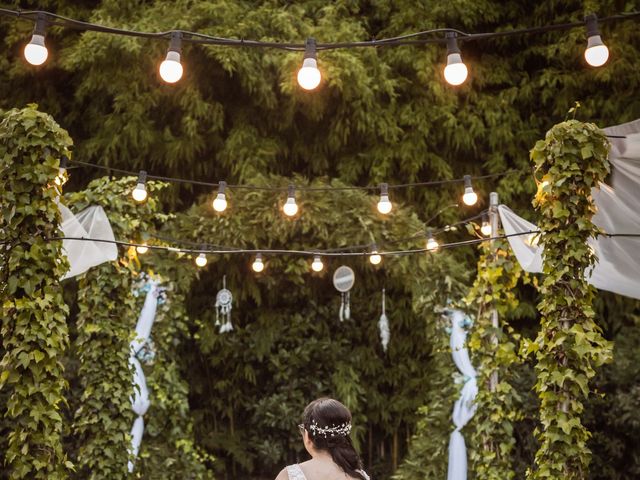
384 190
291 193
175 45
64 161
258 257
485 218
592 27
310 51
452 46
142 177
467 183
40 28
222 185
37 39
374 248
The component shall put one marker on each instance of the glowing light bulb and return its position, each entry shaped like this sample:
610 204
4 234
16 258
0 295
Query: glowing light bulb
258 264
35 52
171 69
317 264
309 76
456 72
139 193
220 202
384 205
201 260
290 207
470 197
432 244
142 249
375 258
485 229
596 53
62 176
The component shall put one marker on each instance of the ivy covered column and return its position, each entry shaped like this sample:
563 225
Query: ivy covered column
495 354
569 162
34 327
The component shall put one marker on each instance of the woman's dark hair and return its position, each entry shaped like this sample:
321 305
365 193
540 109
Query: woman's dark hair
327 412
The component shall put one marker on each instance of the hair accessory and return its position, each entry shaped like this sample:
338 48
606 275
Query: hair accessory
341 430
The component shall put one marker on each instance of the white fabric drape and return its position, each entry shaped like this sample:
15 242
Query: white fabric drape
92 222
140 399
464 408
618 211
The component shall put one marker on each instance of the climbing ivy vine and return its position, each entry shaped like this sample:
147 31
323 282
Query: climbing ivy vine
34 328
107 314
569 162
494 355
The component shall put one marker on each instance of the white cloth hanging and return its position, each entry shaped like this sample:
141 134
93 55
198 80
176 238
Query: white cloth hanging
92 222
140 398
464 408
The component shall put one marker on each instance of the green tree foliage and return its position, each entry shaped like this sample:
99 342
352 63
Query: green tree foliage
570 161
34 328
495 357
107 312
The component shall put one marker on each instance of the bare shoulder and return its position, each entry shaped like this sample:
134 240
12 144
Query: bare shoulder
283 475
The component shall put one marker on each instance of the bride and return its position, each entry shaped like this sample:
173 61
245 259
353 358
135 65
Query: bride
325 432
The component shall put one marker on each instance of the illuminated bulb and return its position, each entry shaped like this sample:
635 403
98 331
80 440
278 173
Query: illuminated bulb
375 258
317 264
290 207
470 197
201 260
485 229
596 53
309 76
456 72
171 68
35 51
142 249
384 205
258 264
61 178
139 193
220 202
432 245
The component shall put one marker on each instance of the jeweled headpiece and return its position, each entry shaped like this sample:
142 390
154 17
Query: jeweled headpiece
341 430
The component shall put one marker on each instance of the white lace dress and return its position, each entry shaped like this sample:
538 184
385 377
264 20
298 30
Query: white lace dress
296 473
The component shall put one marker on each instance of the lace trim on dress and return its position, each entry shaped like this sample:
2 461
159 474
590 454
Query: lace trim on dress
296 473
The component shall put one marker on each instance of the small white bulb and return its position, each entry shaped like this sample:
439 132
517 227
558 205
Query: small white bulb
485 229
470 197
432 244
309 75
139 193
35 52
384 205
597 52
220 203
171 68
317 264
258 264
456 72
201 260
375 258
142 249
290 208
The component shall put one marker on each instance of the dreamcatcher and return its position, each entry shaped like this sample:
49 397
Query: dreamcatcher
383 325
343 280
224 301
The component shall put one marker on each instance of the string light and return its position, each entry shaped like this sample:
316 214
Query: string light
485 229
384 205
258 264
596 53
220 202
35 52
290 207
309 76
201 260
375 258
139 193
62 176
432 244
456 72
470 197
317 264
143 248
171 69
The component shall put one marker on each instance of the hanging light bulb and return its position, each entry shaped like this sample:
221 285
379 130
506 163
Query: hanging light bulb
35 52
139 193
597 52
432 244
375 258
470 197
456 72
201 260
317 264
61 178
485 229
258 264
384 205
220 202
171 68
309 76
290 207
143 248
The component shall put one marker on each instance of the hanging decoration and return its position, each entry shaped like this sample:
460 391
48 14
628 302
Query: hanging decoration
383 325
224 300
343 280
